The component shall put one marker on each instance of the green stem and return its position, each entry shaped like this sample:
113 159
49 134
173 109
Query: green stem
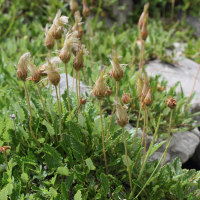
68 92
104 152
42 103
88 23
6 160
170 123
77 89
145 146
148 153
117 88
29 107
84 69
138 120
147 182
144 127
129 173
59 113
133 55
74 72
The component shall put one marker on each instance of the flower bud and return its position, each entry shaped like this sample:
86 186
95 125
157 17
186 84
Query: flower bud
82 101
78 62
121 114
22 67
86 11
144 30
143 15
116 72
125 98
13 116
109 91
145 89
4 148
35 75
171 103
100 87
73 6
140 85
148 99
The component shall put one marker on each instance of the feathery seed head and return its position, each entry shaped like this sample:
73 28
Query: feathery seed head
73 6
35 75
78 24
53 76
86 10
78 62
121 114
22 67
148 99
100 87
49 39
145 88
116 72
143 15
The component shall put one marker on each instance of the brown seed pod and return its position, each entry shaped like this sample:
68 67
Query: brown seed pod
35 75
143 16
144 30
53 76
171 103
86 11
65 55
148 99
125 98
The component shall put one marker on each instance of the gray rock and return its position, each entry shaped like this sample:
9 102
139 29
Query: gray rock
195 23
183 145
63 85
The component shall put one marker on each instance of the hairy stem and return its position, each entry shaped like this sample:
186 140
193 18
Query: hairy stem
129 173
170 123
59 113
117 88
68 92
104 152
88 23
42 103
138 120
30 121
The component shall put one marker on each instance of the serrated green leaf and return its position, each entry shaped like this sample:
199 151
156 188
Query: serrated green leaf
125 162
63 171
78 195
156 146
49 128
105 183
24 177
20 112
64 192
77 145
90 164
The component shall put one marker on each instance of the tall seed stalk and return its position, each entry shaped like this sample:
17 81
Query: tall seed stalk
129 173
60 128
38 87
104 151
145 146
68 91
30 120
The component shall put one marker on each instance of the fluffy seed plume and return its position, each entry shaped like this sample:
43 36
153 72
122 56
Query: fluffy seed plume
78 24
35 75
71 40
78 62
57 27
49 39
22 66
121 114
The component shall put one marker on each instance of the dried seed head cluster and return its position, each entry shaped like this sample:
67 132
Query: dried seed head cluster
126 98
57 26
22 67
116 72
121 114
78 62
4 148
35 75
171 103
100 87
71 40
73 6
